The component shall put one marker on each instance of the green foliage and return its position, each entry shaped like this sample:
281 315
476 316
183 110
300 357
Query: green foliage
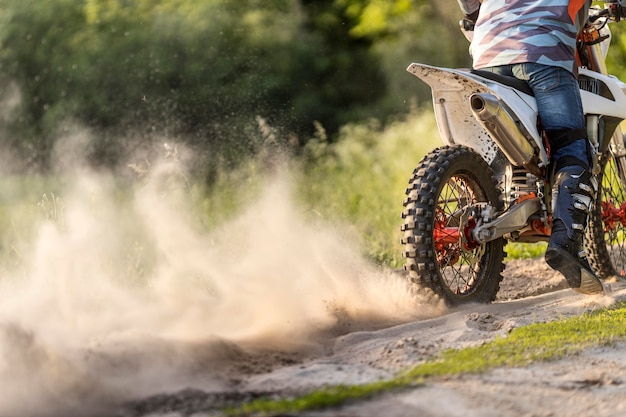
430 34
25 201
198 70
525 250
202 71
347 74
617 54
360 179
373 17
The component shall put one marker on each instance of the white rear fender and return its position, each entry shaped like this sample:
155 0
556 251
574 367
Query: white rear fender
452 89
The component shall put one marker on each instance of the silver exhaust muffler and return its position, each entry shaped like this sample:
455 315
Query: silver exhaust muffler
509 133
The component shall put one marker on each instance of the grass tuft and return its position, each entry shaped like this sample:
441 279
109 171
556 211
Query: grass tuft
523 346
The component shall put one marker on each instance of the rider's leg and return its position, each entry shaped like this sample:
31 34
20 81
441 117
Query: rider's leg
573 185
573 191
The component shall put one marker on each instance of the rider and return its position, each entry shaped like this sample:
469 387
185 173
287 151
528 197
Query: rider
535 41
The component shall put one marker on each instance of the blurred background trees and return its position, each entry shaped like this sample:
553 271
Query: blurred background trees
230 79
201 72
204 72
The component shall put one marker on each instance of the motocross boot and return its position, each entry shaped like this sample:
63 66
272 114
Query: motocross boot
573 192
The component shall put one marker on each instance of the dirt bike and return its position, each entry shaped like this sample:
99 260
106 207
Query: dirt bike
490 182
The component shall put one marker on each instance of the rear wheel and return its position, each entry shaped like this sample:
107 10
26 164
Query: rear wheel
606 233
446 196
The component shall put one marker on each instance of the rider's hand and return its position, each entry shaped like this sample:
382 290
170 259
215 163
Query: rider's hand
468 23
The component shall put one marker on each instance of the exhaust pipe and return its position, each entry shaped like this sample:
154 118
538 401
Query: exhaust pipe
509 133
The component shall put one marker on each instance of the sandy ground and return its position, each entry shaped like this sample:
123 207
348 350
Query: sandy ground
590 384
133 310
270 305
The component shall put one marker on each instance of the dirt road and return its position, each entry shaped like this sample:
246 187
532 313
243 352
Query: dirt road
591 384
268 305
132 309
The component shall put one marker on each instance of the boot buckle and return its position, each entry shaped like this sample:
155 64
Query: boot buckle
585 187
581 206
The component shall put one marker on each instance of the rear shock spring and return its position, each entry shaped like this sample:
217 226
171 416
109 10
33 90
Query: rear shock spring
523 183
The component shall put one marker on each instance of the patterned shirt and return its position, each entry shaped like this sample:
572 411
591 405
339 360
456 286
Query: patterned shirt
519 31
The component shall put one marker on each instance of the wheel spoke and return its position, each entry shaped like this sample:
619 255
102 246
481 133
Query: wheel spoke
445 197
606 236
458 266
614 216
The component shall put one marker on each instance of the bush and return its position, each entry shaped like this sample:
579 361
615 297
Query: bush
360 179
198 71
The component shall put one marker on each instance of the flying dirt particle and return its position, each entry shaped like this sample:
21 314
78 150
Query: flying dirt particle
88 325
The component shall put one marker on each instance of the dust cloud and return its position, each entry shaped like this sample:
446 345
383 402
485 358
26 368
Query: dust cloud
129 296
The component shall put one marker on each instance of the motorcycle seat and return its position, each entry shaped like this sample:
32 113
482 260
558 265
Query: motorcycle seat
516 83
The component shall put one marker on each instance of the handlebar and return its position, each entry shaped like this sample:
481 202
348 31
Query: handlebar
614 10
618 11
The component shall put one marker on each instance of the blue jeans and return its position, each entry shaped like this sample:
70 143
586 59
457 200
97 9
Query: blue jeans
558 101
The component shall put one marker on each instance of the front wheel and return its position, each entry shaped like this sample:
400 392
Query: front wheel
446 194
606 233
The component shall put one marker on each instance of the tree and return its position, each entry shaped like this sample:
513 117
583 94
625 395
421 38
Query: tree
200 71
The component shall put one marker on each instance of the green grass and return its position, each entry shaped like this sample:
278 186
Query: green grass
525 250
523 346
360 179
25 201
